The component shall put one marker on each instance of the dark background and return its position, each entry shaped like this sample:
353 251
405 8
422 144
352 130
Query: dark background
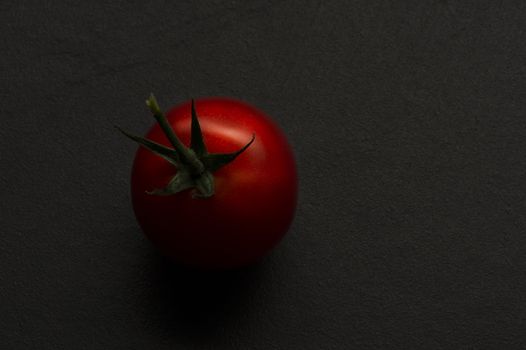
408 123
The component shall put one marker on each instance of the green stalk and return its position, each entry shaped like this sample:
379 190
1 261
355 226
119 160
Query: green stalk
186 155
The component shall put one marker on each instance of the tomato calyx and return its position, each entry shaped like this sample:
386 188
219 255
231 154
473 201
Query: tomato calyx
195 166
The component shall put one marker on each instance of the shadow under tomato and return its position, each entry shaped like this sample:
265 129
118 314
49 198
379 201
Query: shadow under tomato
196 304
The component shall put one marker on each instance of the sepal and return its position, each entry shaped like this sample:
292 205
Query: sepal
215 161
180 182
197 144
168 154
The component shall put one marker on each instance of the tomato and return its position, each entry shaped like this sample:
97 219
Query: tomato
254 195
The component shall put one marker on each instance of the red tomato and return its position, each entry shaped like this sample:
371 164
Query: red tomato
255 195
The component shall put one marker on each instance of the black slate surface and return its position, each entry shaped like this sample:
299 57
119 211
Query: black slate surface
408 122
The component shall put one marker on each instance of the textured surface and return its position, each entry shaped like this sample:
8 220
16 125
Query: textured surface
409 125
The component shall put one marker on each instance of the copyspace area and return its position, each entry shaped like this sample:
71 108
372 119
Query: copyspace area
408 122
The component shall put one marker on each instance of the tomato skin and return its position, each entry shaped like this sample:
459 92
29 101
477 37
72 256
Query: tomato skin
255 195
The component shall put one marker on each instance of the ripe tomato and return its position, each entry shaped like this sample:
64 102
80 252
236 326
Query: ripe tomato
254 197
